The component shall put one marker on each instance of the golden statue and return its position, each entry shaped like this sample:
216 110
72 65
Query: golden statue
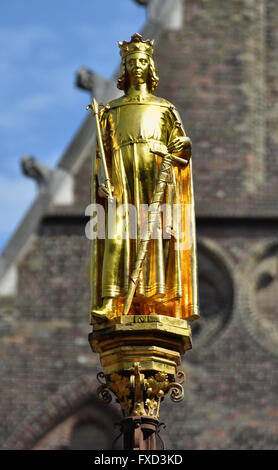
143 161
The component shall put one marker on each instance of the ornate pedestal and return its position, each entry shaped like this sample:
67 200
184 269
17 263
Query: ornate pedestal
140 356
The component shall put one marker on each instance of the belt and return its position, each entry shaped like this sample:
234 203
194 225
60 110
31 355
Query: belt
154 145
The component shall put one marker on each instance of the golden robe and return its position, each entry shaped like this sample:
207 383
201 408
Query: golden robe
131 128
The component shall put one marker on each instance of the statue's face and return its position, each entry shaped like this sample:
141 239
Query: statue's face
137 66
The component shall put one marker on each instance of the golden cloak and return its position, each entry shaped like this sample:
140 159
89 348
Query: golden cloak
131 129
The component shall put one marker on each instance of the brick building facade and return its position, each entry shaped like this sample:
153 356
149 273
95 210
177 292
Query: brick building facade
217 63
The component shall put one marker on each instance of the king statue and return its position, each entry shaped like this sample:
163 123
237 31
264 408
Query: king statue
145 264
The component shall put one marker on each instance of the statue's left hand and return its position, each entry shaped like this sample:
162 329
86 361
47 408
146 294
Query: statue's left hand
179 144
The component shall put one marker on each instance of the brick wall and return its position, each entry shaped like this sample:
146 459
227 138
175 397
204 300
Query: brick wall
221 75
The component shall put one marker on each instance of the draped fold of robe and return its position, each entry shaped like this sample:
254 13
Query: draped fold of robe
131 131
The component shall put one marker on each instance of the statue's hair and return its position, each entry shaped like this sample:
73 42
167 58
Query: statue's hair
152 81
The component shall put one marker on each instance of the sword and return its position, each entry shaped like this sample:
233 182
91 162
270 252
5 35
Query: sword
95 109
161 183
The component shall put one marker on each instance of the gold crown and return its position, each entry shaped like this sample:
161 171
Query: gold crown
137 44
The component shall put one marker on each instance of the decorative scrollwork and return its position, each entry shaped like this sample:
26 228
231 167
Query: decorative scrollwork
177 392
101 378
104 394
180 377
139 396
176 388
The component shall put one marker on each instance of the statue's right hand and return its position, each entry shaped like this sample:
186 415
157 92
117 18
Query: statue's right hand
103 191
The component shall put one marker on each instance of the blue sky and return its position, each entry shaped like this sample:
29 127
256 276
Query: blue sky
42 45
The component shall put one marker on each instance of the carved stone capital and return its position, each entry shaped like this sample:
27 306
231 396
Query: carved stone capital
140 394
